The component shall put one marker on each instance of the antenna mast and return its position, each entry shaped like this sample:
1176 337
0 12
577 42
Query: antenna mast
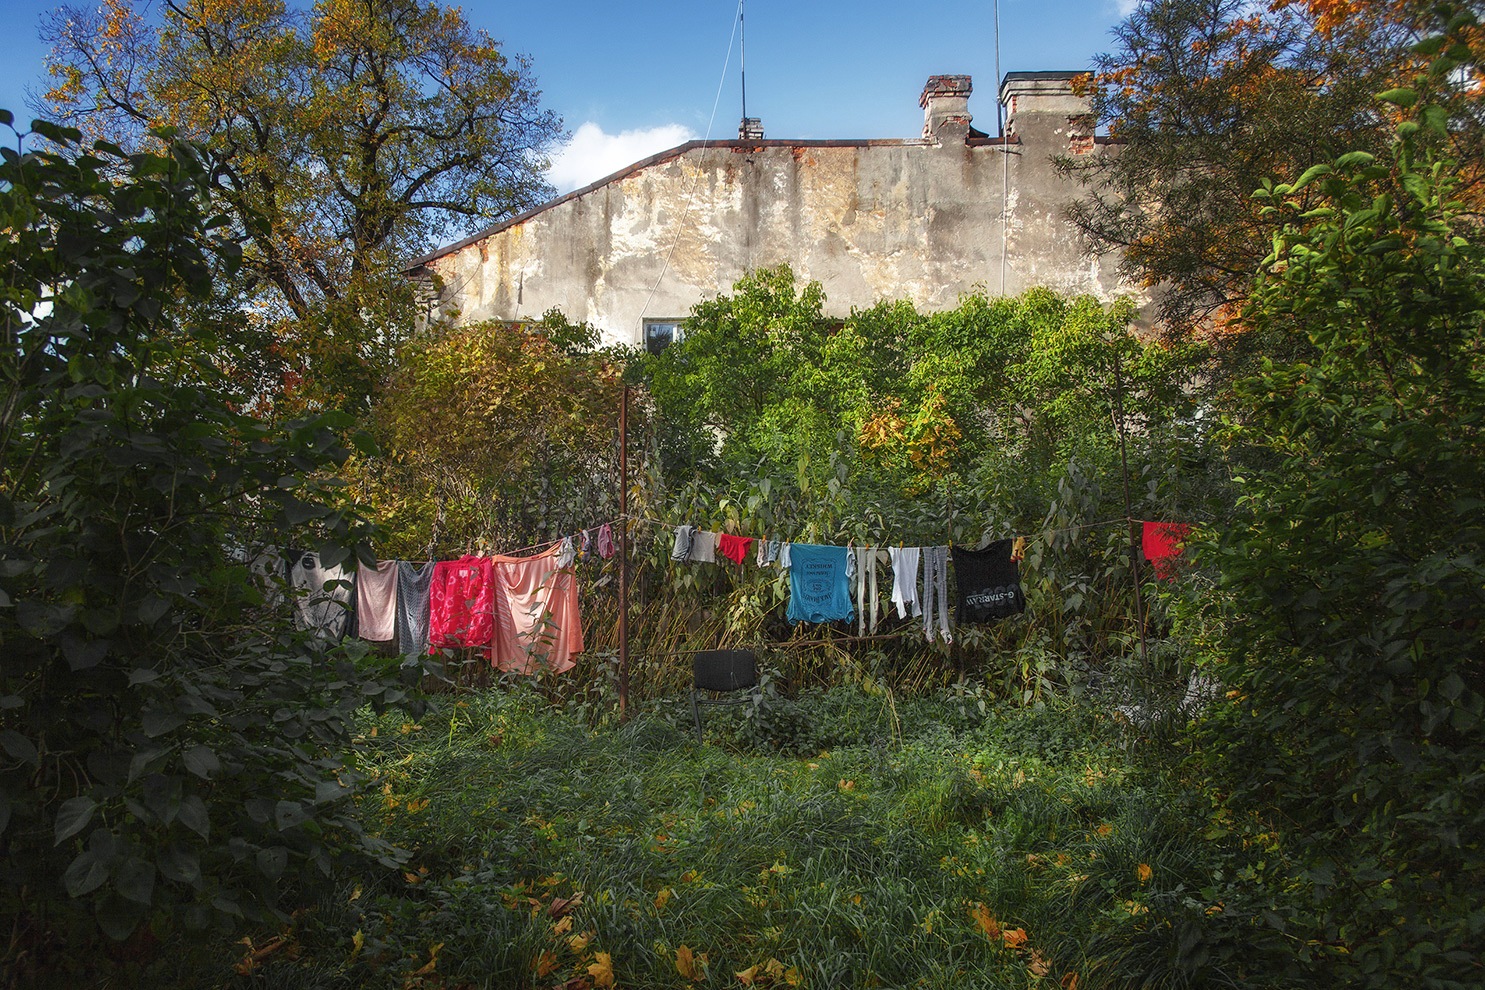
751 128
742 53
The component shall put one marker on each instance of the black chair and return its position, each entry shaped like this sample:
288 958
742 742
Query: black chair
721 671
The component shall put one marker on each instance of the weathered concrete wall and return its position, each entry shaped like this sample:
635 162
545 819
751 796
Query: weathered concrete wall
922 219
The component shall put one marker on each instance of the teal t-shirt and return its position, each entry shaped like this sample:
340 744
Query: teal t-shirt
818 588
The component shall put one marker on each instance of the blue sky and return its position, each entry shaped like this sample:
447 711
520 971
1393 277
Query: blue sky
630 79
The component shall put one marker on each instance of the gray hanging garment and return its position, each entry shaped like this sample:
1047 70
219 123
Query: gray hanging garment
936 585
413 584
682 548
325 596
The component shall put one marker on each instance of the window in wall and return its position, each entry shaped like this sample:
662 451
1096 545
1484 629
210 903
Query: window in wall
660 334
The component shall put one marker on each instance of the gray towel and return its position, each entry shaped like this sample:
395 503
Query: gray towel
412 606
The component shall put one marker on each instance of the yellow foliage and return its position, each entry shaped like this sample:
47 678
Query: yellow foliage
431 965
545 963
602 970
687 964
982 917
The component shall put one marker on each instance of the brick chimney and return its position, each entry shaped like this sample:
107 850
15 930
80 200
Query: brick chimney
1043 107
945 103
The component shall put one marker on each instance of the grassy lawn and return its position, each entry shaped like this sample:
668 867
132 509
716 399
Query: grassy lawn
841 840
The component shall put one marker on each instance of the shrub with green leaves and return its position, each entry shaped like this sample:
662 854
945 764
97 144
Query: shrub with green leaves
1356 575
169 750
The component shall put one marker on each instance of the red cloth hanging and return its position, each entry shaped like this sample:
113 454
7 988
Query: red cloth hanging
1162 543
461 605
734 548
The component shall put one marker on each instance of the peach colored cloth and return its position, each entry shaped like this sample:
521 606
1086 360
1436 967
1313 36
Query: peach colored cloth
376 601
537 625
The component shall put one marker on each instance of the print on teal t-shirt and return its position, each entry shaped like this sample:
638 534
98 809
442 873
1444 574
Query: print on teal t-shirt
818 589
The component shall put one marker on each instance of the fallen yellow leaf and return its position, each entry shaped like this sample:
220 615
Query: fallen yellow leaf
432 964
685 964
563 927
982 917
602 970
1014 937
746 976
1069 981
1143 872
545 963
1039 965
662 898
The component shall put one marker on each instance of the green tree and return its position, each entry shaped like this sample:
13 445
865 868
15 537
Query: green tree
1206 99
171 754
1355 574
342 141
502 434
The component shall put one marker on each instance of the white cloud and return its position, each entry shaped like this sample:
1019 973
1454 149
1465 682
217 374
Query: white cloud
591 154
1125 7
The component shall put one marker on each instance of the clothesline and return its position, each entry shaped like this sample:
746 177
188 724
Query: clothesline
653 521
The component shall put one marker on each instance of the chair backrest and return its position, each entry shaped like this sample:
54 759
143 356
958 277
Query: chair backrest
725 670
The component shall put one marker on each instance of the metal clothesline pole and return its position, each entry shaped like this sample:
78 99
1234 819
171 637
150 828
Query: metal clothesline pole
624 550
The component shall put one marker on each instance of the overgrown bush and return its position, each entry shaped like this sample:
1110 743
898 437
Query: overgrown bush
1356 575
173 759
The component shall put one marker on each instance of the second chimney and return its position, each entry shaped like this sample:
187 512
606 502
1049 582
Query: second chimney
945 103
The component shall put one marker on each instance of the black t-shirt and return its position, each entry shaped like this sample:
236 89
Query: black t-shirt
989 583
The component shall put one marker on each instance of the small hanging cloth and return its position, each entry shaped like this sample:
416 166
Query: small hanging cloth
734 548
704 547
537 622
1162 544
905 580
413 584
324 606
461 604
936 589
684 536
376 602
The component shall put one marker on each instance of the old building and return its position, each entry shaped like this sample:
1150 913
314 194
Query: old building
925 219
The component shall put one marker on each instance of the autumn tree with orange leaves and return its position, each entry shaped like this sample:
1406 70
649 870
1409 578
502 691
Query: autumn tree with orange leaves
343 140
1206 99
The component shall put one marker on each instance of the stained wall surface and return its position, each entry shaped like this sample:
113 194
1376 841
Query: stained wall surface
925 219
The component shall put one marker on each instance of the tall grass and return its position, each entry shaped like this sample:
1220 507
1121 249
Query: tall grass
926 844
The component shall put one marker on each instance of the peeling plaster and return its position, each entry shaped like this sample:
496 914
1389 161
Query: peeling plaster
870 220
